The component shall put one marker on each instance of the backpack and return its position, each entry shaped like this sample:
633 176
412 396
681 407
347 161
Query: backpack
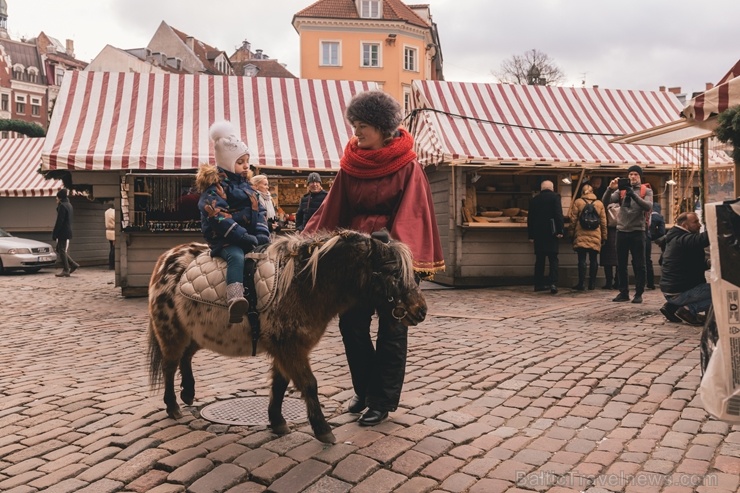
657 229
589 218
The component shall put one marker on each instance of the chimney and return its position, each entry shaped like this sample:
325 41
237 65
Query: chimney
674 90
596 87
258 54
708 86
246 45
71 48
190 41
661 88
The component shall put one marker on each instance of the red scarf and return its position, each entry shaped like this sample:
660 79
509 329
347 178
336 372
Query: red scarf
374 163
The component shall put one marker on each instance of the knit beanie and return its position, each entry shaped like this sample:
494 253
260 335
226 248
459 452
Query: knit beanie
635 168
313 177
375 108
228 146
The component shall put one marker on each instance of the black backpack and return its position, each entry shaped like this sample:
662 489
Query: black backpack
589 218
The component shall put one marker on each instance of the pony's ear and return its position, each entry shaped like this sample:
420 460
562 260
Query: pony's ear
382 236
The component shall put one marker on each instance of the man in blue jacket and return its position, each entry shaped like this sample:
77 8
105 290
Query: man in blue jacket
683 282
310 202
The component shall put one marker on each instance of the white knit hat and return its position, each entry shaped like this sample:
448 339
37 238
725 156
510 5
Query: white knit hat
228 146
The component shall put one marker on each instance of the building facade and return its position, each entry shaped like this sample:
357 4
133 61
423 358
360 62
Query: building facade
31 71
382 41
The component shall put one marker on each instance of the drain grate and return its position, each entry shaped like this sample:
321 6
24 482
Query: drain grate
252 411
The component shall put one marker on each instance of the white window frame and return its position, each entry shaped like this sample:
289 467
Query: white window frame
35 106
406 99
370 44
20 99
371 9
323 62
59 76
411 49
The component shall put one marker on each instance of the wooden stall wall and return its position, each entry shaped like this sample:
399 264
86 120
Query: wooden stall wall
88 245
439 182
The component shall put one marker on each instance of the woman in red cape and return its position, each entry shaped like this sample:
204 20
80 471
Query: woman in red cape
380 185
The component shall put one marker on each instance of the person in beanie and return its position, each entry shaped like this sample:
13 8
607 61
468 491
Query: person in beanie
62 233
231 219
380 185
310 202
635 202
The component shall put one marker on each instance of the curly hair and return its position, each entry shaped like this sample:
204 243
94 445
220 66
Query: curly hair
375 108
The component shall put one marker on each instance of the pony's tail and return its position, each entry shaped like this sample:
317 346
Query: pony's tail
155 360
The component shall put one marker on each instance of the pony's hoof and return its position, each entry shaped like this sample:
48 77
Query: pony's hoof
281 429
327 438
187 397
174 413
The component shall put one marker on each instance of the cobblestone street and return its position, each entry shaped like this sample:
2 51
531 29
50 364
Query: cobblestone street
506 390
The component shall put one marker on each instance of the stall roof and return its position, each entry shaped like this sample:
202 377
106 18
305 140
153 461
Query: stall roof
20 160
699 117
474 123
131 121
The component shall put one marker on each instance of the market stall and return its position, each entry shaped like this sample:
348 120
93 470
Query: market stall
139 138
488 147
705 164
28 203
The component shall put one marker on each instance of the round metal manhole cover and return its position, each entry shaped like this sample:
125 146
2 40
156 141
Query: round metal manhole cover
252 411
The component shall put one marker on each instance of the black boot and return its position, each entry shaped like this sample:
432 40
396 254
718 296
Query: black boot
581 278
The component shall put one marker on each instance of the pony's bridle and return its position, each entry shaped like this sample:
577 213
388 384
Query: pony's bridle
398 312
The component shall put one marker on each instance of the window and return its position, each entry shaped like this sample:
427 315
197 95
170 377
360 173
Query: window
330 53
370 55
59 76
35 106
411 59
33 75
20 104
5 103
370 9
406 99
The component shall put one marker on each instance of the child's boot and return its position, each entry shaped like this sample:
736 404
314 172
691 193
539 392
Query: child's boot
238 304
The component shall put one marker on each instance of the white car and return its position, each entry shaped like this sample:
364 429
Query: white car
24 254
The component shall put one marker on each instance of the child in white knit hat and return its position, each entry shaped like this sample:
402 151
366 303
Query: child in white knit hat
231 219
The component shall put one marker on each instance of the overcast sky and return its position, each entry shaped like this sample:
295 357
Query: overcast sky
616 44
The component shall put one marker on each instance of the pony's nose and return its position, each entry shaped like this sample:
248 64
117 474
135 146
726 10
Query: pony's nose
422 313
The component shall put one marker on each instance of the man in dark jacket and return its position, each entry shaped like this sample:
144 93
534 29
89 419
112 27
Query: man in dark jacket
310 202
654 232
545 228
684 262
63 233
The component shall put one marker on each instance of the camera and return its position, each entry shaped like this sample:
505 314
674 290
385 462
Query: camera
623 183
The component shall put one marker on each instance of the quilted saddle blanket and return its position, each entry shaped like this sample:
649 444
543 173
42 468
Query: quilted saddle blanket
204 280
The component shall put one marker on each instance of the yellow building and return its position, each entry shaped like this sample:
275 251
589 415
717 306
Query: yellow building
382 41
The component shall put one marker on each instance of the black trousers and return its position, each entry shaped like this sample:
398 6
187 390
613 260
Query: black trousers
377 371
539 269
650 274
631 243
593 267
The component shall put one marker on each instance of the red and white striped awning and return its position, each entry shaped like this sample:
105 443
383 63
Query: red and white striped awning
472 123
714 101
131 121
20 161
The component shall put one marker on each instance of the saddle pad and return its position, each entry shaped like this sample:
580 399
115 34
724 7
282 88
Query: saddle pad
204 280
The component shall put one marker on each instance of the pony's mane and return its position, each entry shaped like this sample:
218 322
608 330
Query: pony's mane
290 249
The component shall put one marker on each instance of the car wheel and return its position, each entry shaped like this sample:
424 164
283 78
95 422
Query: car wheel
2 271
32 270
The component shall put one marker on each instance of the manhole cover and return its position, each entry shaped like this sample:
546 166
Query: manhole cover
251 411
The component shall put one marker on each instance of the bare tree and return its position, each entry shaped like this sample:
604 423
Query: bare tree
532 68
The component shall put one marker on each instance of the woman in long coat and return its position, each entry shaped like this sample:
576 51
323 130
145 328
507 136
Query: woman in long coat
608 257
587 242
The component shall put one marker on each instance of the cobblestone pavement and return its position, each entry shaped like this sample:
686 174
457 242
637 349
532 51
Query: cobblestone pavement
507 390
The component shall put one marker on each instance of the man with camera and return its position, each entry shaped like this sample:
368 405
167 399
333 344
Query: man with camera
636 200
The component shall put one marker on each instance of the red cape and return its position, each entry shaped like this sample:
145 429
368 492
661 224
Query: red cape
400 202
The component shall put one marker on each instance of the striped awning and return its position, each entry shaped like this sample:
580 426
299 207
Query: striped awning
473 123
714 101
20 161
131 121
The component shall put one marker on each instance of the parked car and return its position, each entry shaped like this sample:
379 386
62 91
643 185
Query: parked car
24 254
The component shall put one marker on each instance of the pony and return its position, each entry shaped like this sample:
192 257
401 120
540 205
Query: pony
321 276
